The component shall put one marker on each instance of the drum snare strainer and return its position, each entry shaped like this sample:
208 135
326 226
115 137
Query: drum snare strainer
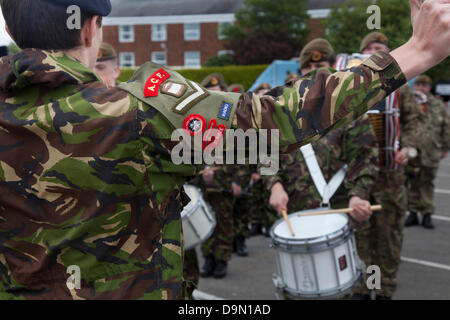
320 261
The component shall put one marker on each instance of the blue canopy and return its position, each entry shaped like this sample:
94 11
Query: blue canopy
276 73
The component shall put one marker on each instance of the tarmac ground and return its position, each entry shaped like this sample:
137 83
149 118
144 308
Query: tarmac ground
424 272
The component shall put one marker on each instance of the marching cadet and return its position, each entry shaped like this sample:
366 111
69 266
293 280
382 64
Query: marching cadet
107 67
379 241
87 176
236 88
215 82
353 147
433 146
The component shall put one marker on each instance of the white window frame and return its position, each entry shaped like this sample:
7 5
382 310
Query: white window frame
224 52
159 35
122 58
220 28
192 34
188 61
155 60
123 34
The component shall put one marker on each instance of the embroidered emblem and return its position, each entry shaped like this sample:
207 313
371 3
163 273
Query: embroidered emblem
154 82
213 135
194 124
316 55
176 90
225 110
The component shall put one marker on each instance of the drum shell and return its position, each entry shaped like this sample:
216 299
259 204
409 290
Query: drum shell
317 269
198 221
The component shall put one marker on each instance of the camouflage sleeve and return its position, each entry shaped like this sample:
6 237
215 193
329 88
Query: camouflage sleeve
445 131
324 99
411 119
360 146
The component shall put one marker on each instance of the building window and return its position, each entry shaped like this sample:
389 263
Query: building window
192 31
127 60
159 32
126 33
192 59
222 26
225 52
159 57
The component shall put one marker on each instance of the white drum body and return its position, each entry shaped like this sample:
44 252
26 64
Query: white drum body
198 219
321 261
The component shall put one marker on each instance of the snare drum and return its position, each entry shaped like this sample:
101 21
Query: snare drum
198 218
321 261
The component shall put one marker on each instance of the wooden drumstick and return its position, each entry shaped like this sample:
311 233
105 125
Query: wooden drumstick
286 218
340 211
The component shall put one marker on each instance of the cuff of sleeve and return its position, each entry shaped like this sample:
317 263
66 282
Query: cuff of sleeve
270 182
358 193
392 74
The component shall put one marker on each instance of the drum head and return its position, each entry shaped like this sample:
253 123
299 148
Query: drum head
314 227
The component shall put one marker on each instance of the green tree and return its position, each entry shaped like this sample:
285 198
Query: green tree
266 30
347 26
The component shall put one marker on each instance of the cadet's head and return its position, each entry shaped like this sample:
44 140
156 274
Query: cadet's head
214 82
423 84
236 88
317 54
374 42
106 66
46 25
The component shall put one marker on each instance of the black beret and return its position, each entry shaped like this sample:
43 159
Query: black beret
97 7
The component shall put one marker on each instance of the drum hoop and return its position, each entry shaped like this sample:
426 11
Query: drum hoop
327 294
295 246
331 240
208 235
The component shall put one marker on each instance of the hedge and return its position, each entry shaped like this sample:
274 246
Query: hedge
245 75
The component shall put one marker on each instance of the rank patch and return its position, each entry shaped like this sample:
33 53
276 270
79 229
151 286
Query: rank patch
225 110
174 89
154 82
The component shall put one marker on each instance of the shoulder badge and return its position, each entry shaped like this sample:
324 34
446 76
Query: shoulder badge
153 83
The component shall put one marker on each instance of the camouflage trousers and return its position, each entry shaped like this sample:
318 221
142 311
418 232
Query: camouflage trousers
191 271
420 183
260 213
220 245
379 240
241 217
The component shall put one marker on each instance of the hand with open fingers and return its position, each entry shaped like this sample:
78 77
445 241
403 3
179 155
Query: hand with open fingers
279 199
361 209
208 175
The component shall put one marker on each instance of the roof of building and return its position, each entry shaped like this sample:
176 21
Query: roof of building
142 8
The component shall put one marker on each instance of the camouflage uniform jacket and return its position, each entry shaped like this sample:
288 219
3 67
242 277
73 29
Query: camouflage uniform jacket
435 138
354 145
86 176
411 119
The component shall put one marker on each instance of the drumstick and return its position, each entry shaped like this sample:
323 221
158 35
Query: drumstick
348 210
286 218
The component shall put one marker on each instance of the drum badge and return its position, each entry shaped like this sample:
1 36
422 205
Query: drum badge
343 263
194 125
176 90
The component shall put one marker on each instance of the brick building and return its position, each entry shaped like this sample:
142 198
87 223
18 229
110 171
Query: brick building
180 33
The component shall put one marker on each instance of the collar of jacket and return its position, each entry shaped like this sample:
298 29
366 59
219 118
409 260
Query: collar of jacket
44 68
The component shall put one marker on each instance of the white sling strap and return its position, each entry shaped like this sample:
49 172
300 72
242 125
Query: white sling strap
325 190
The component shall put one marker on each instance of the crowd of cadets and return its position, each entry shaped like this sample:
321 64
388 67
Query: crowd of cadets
246 204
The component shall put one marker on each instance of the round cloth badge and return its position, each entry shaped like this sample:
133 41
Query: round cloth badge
194 124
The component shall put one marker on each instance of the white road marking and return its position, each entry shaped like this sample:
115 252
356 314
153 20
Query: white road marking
442 218
198 295
442 191
426 263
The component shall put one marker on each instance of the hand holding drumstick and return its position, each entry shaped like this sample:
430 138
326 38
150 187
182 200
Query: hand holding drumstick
279 200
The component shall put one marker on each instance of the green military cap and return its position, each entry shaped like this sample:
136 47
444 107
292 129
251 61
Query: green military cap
318 50
106 52
424 79
264 86
237 88
215 79
373 37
